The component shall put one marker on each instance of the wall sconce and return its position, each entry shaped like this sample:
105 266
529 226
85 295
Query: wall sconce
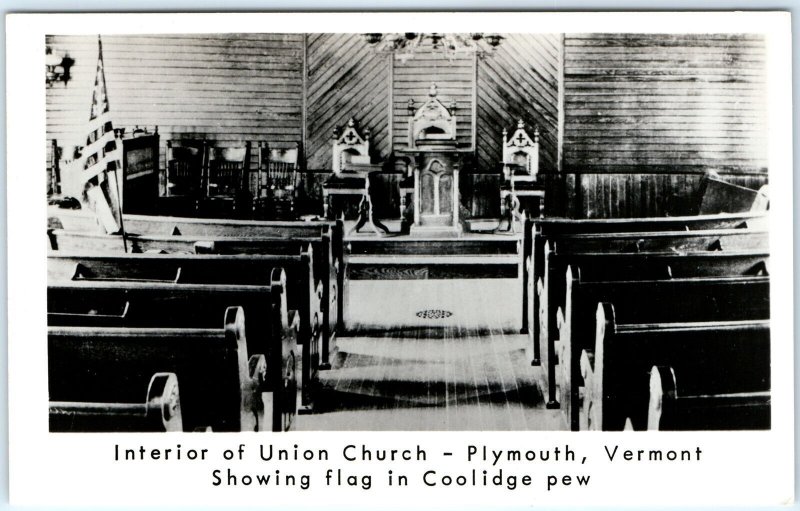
57 67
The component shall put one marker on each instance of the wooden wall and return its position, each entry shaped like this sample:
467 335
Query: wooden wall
646 115
346 78
296 88
412 79
519 80
643 115
226 88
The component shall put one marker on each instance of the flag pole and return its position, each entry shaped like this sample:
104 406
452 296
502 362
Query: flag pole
118 171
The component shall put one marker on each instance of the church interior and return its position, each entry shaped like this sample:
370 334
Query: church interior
416 232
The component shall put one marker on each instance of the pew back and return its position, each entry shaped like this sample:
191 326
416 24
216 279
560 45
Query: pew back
647 301
551 293
102 364
625 353
167 305
690 406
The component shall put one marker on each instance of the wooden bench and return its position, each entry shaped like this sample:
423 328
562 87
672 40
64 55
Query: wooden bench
167 225
221 386
616 372
160 411
537 231
695 403
551 293
631 242
646 301
327 268
160 305
665 241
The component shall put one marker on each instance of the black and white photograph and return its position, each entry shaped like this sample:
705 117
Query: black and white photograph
421 231
472 230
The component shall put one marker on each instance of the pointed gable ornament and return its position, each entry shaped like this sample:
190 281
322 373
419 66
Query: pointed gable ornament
433 121
521 152
350 147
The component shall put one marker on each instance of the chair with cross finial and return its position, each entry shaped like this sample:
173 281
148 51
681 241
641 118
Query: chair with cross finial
351 151
521 169
520 154
351 163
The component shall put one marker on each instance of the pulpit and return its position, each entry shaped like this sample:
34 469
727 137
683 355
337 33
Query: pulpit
434 160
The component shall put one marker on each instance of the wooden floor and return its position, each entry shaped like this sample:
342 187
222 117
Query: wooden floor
398 371
475 303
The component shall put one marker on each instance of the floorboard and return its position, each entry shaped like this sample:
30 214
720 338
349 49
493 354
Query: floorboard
429 379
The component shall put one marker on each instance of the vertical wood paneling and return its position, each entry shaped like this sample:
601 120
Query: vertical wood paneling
227 88
346 78
412 80
518 80
628 195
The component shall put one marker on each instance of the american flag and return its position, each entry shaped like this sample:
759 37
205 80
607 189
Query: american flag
102 167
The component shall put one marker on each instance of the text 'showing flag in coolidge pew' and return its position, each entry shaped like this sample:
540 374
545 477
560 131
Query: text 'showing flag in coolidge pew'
102 167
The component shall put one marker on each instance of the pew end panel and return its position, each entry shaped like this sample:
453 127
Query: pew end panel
532 347
546 350
283 383
587 417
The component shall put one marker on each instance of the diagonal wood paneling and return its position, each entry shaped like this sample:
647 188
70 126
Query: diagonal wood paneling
346 78
412 80
518 80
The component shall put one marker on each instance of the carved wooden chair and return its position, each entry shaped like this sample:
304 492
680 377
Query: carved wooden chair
278 180
228 169
186 163
520 154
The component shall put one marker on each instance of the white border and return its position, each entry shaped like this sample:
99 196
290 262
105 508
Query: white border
748 468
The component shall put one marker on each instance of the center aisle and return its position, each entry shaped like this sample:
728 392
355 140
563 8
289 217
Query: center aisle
429 379
433 340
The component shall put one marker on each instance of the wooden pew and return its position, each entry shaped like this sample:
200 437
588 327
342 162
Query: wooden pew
167 225
551 293
221 387
327 268
161 411
695 405
330 231
646 301
616 376
537 231
665 241
631 242
137 304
